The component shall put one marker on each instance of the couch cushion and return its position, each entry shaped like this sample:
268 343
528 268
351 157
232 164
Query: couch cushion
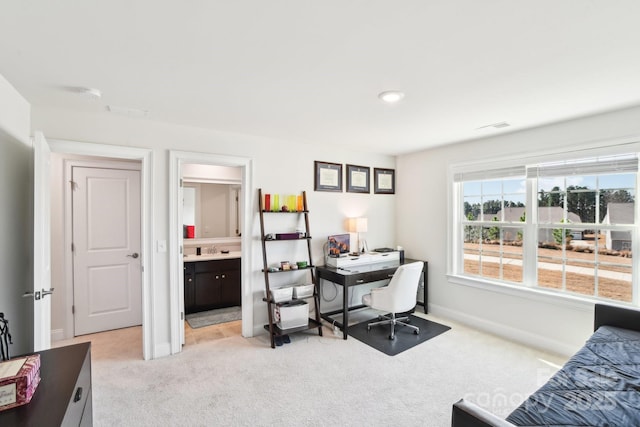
598 386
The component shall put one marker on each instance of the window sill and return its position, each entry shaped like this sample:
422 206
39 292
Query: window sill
536 294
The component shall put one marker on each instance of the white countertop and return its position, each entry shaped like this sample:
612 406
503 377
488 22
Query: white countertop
212 257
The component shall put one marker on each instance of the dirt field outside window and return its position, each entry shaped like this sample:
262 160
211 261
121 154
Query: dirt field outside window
614 272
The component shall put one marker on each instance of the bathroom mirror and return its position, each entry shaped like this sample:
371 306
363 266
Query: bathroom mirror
212 208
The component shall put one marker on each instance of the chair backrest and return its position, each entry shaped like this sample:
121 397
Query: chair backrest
404 286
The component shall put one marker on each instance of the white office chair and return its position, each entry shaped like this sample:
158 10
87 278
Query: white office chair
399 296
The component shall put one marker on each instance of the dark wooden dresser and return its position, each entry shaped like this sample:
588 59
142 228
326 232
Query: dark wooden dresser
63 397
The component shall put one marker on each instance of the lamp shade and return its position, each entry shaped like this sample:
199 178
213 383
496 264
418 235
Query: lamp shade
357 225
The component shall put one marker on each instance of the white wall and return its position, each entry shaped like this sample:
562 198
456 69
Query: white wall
15 113
16 217
279 166
422 200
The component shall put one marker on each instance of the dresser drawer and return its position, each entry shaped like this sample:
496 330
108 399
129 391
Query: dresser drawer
81 394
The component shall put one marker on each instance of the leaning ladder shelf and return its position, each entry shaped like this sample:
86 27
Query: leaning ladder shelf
272 326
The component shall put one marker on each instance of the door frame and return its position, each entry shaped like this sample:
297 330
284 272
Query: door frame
68 165
145 156
176 282
41 176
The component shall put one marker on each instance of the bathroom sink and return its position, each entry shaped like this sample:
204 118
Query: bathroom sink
211 257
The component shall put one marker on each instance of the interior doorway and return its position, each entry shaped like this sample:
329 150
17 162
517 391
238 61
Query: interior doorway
68 153
106 245
181 170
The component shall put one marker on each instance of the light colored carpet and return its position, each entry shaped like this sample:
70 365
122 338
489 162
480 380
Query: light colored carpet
316 381
213 317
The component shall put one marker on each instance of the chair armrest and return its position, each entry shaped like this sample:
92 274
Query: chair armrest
467 414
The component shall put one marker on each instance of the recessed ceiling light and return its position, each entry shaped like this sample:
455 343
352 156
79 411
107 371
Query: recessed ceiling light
92 92
391 96
89 92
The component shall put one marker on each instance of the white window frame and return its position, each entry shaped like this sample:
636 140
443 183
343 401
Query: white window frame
528 288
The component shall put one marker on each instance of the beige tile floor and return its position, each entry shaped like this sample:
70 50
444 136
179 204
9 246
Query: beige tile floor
126 343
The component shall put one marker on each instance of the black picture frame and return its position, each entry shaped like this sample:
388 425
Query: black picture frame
327 176
358 178
384 181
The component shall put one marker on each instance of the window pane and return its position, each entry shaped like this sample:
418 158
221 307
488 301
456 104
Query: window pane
512 254
514 186
613 181
551 197
472 208
490 255
619 213
553 215
551 262
551 184
490 207
581 205
581 181
493 187
614 279
580 269
472 188
472 238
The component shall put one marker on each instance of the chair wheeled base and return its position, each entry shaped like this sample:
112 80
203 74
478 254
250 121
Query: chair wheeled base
393 321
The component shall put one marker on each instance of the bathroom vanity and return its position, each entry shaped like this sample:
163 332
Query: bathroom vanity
211 281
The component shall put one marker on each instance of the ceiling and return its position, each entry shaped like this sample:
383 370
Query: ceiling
309 71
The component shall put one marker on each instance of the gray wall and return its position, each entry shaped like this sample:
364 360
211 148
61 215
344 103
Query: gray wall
16 245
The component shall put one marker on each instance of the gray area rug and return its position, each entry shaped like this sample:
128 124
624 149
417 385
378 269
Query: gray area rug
213 317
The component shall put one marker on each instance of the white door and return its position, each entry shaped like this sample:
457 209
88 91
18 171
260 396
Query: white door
41 244
107 283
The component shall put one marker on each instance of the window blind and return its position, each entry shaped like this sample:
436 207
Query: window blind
590 166
480 175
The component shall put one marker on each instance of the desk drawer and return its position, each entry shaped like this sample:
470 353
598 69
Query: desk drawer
371 276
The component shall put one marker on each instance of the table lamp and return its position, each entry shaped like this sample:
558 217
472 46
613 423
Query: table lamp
358 225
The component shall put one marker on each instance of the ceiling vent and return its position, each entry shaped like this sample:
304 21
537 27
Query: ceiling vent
126 111
495 125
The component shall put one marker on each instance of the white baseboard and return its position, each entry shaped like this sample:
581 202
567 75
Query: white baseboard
513 334
57 335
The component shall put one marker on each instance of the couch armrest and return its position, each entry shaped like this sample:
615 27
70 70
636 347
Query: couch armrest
467 414
620 317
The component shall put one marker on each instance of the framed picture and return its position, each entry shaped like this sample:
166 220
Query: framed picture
358 179
328 176
384 181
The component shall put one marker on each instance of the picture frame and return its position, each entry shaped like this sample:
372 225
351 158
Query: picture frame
384 181
358 178
327 176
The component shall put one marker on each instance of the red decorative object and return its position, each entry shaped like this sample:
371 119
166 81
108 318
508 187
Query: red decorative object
17 388
191 231
267 202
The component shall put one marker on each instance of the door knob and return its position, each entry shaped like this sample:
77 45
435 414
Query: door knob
35 295
134 255
45 293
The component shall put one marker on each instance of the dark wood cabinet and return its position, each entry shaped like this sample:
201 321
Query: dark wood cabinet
211 284
189 287
63 397
230 288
